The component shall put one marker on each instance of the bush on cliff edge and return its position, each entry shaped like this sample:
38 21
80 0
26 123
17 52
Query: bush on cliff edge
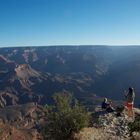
65 117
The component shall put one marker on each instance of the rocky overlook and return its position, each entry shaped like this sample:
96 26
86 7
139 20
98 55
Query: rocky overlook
107 126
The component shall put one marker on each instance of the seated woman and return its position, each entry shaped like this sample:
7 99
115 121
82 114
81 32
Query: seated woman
105 104
110 108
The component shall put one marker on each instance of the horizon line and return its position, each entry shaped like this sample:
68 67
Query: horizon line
22 46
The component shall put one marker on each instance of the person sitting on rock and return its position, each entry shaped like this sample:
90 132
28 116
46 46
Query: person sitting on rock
110 108
105 104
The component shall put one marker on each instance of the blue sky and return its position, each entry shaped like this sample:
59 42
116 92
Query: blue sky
69 22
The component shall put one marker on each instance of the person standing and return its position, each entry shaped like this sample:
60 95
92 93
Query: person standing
130 96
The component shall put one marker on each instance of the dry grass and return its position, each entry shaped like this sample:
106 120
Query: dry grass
96 134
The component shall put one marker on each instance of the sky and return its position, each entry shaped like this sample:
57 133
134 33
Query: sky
69 22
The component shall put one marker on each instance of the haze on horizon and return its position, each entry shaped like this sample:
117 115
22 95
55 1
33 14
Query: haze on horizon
69 22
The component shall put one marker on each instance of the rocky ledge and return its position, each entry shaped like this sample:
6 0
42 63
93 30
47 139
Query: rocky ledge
109 126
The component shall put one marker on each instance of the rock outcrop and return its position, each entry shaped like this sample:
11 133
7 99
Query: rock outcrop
8 132
107 126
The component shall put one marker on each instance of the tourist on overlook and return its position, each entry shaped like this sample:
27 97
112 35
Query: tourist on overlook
130 96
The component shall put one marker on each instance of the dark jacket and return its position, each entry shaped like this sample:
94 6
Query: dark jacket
104 105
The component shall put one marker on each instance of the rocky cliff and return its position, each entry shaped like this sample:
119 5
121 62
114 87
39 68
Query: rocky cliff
109 126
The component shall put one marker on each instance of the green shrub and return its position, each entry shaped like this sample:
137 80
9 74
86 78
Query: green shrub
65 117
134 126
